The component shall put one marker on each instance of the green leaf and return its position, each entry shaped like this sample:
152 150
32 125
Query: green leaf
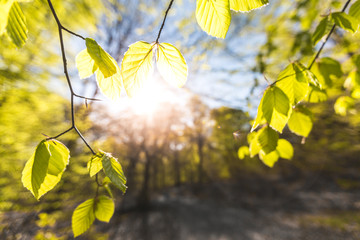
293 81
353 80
85 64
267 139
316 94
321 30
356 93
343 104
300 121
111 86
247 5
45 167
326 70
269 159
345 21
16 25
95 164
105 183
355 10
243 151
285 149
171 64
114 171
83 217
102 59
4 14
254 146
213 16
137 66
259 116
276 108
104 208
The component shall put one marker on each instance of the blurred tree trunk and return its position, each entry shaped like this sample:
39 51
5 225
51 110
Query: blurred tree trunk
144 196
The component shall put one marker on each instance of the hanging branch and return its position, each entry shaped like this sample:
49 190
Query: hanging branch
73 94
163 23
327 38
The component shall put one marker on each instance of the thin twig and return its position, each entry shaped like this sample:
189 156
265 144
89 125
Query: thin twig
163 23
328 37
87 98
73 94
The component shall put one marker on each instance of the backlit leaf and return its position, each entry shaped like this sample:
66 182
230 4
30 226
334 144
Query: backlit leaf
316 94
95 164
243 151
111 86
343 104
321 30
137 66
16 25
345 21
85 64
247 5
355 10
104 208
102 59
4 13
213 16
114 171
83 217
276 108
353 80
300 121
269 159
285 149
267 139
45 167
327 70
293 82
171 64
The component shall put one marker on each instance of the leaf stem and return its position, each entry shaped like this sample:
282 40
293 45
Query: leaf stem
163 23
327 38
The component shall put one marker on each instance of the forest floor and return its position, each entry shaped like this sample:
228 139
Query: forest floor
252 209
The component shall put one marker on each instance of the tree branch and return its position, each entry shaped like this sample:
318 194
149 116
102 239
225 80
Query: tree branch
328 37
163 23
73 94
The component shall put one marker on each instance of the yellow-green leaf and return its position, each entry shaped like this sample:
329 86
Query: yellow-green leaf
285 149
345 21
16 25
137 66
111 86
45 167
276 108
267 139
293 82
247 5
95 164
355 10
171 64
83 217
103 60
85 64
213 16
269 159
243 151
353 80
327 70
321 30
343 104
300 121
4 14
316 94
114 171
259 116
104 208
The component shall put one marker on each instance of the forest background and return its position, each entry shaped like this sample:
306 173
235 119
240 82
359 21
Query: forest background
188 138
